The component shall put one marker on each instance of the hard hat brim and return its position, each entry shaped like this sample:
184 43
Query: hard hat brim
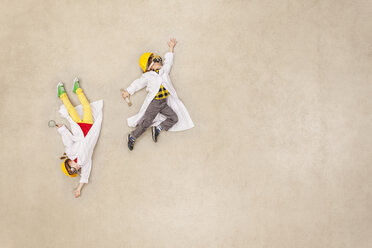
143 61
65 170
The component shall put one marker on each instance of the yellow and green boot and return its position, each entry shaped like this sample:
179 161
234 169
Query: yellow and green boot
60 89
76 85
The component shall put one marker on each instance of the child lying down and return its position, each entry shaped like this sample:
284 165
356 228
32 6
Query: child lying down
79 144
162 109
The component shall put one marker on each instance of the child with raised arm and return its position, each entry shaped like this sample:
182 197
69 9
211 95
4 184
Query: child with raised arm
162 109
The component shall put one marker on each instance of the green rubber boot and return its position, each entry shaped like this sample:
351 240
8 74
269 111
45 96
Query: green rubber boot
60 89
76 85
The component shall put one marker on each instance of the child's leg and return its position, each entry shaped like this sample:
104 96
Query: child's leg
172 117
147 119
70 109
88 117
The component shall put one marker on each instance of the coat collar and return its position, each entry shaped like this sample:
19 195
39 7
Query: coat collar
161 71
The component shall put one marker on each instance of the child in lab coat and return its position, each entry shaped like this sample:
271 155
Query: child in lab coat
162 109
79 144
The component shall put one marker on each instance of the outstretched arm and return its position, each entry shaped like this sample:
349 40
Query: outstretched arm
172 43
77 191
137 85
168 57
84 177
66 135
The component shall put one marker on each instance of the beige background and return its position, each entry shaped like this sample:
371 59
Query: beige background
280 92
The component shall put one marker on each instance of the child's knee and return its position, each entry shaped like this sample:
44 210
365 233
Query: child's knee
174 118
146 123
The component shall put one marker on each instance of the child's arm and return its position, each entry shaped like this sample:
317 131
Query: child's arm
172 43
84 177
77 192
137 85
66 135
168 57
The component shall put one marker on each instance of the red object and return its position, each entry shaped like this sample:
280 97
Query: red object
85 127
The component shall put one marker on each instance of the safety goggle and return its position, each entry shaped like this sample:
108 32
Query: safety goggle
154 59
157 59
73 170
70 170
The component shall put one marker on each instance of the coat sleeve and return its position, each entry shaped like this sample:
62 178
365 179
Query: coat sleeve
85 172
66 136
168 62
137 85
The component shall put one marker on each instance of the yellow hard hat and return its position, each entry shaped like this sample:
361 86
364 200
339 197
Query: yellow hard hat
143 60
63 167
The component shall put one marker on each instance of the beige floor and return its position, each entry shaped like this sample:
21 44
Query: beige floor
280 92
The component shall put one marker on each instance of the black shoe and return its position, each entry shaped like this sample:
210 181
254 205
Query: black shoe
155 134
131 141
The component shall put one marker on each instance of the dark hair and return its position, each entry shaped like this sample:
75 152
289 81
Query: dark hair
68 167
64 156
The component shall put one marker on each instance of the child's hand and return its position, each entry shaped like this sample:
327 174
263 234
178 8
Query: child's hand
59 125
125 94
172 43
77 193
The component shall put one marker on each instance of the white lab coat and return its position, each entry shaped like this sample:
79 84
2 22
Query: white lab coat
152 81
78 146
